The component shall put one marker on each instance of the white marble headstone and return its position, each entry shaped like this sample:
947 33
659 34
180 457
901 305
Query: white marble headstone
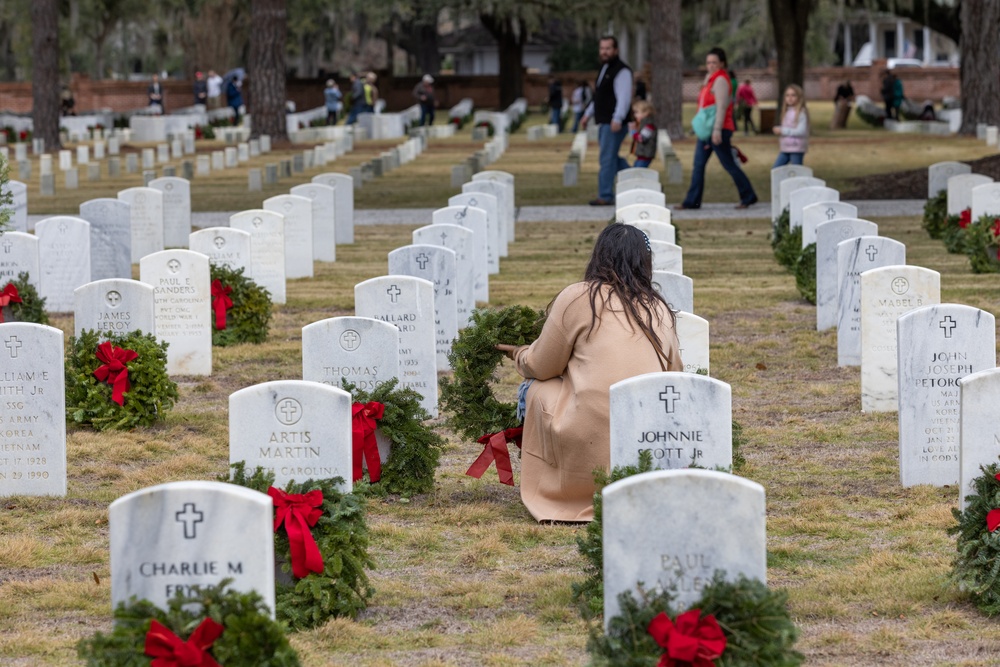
362 350
986 200
979 428
676 289
667 256
182 284
178 536
828 235
960 191
324 222
937 346
115 306
507 180
485 202
19 192
779 174
639 196
224 246
19 254
802 197
146 216
296 429
458 240
939 173
32 410
438 265
643 212
656 231
790 185
110 238
640 173
407 303
887 293
693 339
176 209
683 419
267 248
813 215
298 212
504 217
676 528
343 187
475 221
64 260
854 257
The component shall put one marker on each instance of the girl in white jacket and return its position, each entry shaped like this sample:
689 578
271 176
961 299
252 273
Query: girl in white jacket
794 128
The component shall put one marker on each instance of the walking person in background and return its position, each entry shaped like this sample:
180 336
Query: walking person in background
889 93
579 99
333 100
200 89
794 128
555 102
155 94
747 100
370 92
842 105
214 85
714 127
423 93
234 97
643 133
610 109
357 98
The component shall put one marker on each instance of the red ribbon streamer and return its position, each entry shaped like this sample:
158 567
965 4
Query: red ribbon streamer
965 218
299 512
364 416
7 296
114 371
169 650
221 303
693 640
496 449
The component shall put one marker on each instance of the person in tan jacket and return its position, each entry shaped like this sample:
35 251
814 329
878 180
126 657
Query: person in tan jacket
610 327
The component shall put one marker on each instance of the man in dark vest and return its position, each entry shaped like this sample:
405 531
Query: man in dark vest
610 109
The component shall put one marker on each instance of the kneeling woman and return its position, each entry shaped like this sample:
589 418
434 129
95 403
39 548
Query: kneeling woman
610 327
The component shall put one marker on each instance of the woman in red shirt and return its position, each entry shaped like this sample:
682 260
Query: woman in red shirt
717 91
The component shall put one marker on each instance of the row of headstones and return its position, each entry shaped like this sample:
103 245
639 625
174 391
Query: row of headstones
913 351
492 151
988 133
390 160
502 122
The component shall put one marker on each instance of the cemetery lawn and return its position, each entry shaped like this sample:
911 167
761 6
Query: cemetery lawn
465 576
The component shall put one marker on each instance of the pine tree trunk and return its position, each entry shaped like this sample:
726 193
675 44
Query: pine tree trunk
789 23
45 71
266 65
667 84
980 73
510 35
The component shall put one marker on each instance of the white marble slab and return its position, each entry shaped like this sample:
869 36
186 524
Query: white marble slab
828 235
323 218
182 285
64 259
110 238
693 338
297 212
854 257
115 306
343 187
979 428
438 265
267 248
475 221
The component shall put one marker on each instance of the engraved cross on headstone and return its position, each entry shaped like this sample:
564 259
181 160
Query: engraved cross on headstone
444 237
289 410
190 517
394 293
831 213
7 245
113 298
948 325
872 253
669 395
422 260
350 340
13 344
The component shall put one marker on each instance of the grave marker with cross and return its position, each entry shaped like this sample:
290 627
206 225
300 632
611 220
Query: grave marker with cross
190 517
872 253
7 245
422 260
948 326
394 293
669 396
13 344
831 213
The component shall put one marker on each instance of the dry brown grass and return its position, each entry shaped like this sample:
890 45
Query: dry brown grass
464 576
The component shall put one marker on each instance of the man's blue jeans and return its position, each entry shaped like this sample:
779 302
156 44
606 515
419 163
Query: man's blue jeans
702 152
609 143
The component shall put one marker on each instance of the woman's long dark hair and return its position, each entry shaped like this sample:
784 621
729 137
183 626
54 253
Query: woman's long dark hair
623 262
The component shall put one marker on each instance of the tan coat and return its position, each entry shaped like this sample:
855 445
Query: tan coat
567 425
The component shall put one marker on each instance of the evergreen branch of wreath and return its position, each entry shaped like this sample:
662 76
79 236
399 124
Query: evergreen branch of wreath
415 449
953 235
248 319
755 620
343 588
805 273
936 215
976 568
250 637
475 411
982 244
88 400
32 306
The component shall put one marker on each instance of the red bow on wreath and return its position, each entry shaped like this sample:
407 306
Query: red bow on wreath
965 218
299 512
221 303
363 423
496 449
114 371
7 296
993 516
169 650
692 641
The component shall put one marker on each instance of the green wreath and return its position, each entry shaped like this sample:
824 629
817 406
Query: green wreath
755 620
953 235
786 242
248 319
32 306
89 400
976 568
982 244
249 637
341 534
416 448
475 411
936 215
805 273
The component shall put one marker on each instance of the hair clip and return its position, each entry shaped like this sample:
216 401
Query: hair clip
646 238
